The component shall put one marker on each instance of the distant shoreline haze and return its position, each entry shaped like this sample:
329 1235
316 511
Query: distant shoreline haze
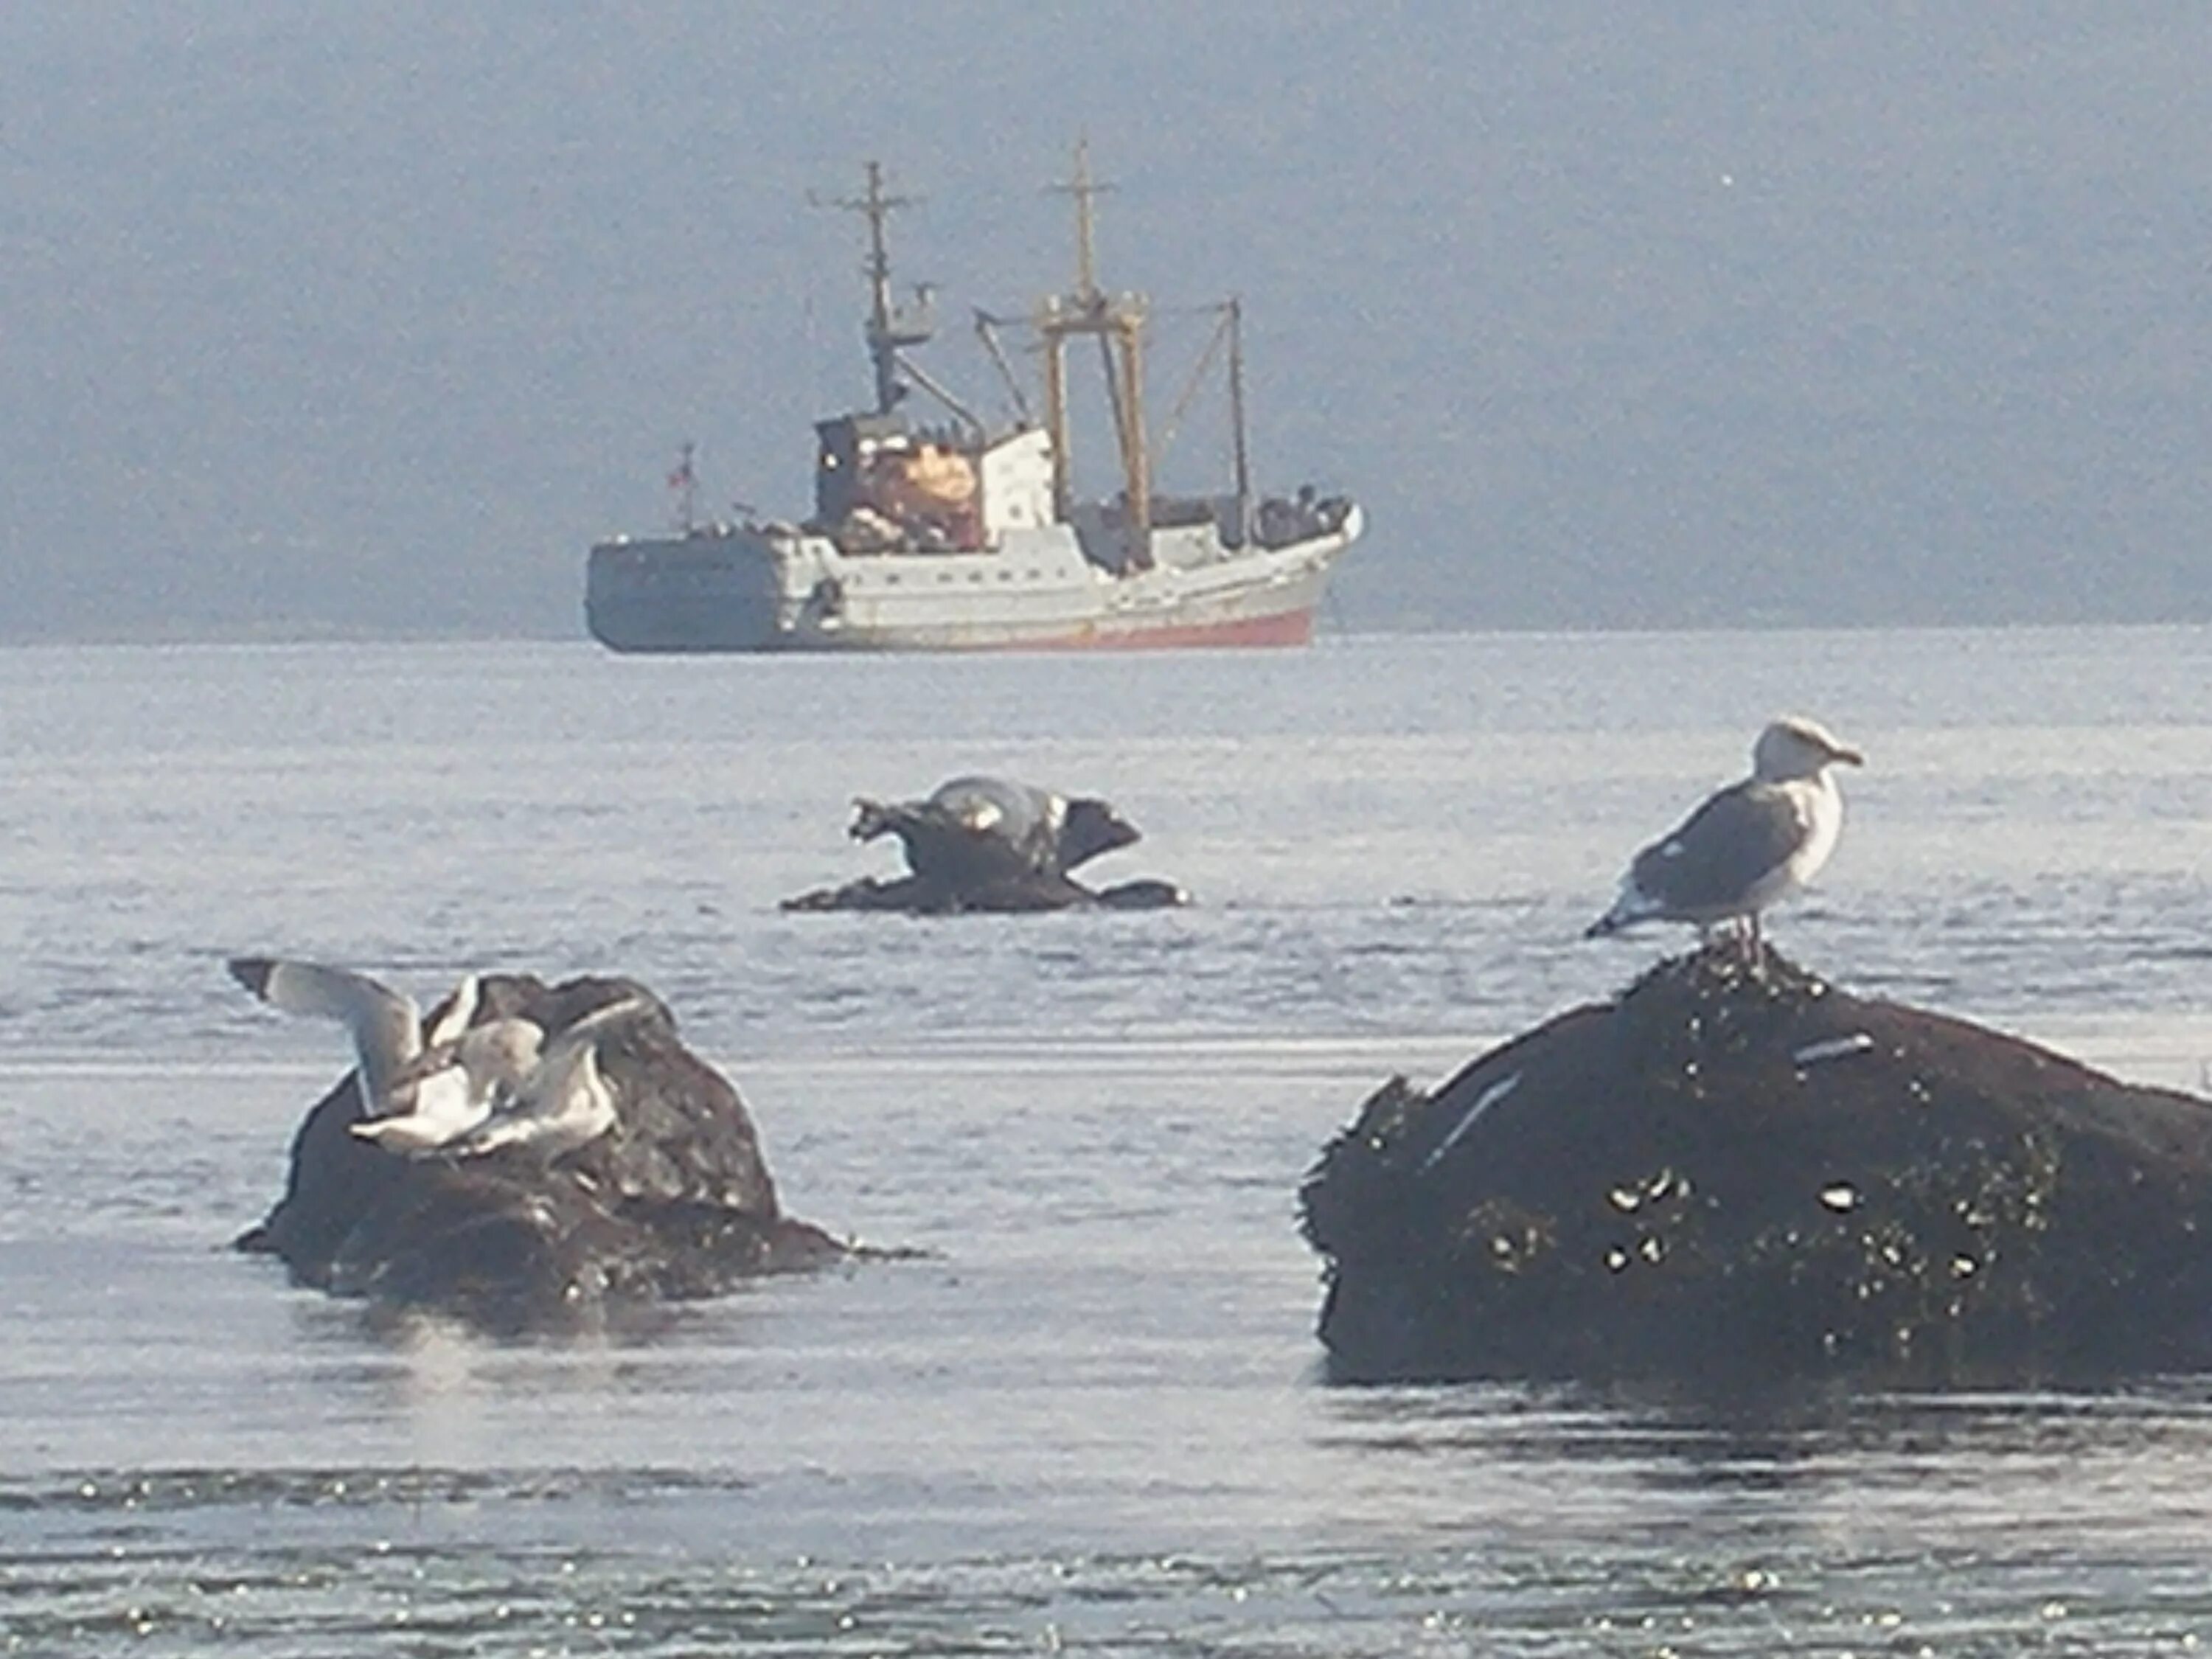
353 322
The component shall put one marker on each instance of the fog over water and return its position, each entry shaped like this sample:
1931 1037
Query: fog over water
319 317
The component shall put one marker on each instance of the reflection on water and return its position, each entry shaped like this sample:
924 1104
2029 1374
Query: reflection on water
1495 1520
2014 1464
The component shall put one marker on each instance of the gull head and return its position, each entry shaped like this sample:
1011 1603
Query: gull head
1796 747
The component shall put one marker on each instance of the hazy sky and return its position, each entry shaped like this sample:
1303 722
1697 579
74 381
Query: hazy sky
371 317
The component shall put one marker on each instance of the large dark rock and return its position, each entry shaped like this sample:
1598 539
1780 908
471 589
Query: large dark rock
675 1201
1732 1176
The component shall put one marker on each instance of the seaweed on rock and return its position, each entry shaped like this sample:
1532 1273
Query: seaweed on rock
1735 1173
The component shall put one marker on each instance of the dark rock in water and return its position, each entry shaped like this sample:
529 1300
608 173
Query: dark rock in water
675 1200
1733 1176
980 844
1146 893
922 896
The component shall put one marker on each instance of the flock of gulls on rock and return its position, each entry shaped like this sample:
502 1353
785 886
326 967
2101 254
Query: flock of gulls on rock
476 1082
459 1090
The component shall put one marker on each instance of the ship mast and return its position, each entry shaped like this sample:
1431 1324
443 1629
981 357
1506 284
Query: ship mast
1242 454
684 482
1118 322
890 328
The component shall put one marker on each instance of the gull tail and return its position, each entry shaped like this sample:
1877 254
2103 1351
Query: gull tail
1630 906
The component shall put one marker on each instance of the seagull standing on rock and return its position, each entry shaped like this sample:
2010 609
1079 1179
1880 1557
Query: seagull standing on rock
1749 846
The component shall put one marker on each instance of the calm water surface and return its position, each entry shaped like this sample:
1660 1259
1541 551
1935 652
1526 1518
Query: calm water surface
1089 1420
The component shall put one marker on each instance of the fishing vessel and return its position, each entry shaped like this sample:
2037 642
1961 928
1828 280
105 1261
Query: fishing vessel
948 534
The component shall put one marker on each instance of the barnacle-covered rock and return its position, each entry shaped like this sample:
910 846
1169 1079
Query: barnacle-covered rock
1735 1173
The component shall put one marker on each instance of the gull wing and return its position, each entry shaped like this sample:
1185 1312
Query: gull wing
386 1027
1718 853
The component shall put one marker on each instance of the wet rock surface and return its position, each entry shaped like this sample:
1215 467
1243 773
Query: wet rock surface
1733 1175
931 895
675 1201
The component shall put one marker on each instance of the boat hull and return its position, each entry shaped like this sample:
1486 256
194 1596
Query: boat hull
773 591
696 594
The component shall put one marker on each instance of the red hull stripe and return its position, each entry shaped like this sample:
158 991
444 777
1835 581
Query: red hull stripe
1288 628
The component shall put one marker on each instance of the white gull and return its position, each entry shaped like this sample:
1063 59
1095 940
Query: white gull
1749 846
458 1084
564 1101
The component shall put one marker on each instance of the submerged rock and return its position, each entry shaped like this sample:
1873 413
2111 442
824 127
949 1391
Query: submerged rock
979 844
1732 1176
675 1201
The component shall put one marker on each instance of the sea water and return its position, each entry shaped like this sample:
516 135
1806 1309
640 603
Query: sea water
1088 1416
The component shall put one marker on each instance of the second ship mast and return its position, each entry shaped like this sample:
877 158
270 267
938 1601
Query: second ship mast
1118 321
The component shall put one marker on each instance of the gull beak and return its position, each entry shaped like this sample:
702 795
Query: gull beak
1845 753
